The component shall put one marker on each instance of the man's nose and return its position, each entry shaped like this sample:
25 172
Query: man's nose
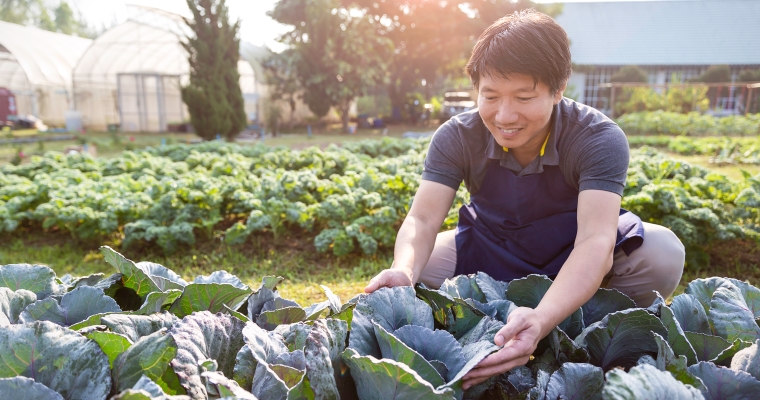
506 115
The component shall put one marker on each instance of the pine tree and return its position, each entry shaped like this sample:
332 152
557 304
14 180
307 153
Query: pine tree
213 97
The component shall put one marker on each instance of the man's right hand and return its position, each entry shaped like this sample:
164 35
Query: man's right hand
391 277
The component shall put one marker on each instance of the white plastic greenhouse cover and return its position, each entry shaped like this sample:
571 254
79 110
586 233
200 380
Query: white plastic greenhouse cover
47 58
130 75
36 65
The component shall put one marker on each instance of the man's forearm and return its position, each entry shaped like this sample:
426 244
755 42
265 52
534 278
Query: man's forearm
576 282
414 243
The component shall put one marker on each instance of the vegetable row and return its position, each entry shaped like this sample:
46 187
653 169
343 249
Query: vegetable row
349 199
145 333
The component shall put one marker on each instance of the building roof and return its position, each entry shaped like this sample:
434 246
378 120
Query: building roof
685 32
46 58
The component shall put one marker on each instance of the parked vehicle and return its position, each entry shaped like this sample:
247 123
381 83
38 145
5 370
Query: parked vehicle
455 103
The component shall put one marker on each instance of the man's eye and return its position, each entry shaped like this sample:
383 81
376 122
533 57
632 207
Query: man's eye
525 98
490 98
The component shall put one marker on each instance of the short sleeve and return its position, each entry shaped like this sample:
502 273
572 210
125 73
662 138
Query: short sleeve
445 158
602 161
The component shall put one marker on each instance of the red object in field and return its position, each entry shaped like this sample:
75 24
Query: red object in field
131 138
7 106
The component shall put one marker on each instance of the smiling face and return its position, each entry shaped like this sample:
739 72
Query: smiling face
517 112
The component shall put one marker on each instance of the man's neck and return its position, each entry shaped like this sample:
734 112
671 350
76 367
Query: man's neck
524 155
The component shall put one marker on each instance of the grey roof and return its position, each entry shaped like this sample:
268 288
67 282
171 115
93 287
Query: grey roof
696 32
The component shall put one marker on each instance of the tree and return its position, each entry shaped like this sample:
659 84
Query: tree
630 73
213 97
714 74
64 19
282 80
339 54
432 38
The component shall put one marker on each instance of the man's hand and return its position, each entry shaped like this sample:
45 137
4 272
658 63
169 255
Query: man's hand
389 278
519 336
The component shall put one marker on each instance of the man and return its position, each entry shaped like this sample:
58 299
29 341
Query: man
546 176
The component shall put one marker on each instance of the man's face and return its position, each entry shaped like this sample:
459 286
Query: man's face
516 113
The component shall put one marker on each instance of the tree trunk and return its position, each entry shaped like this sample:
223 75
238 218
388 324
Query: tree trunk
292 113
344 108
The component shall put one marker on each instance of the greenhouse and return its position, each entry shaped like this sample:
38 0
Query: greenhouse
36 66
129 78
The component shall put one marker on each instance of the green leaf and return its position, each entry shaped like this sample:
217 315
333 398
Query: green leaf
576 381
676 337
750 294
333 300
492 289
676 365
707 347
288 315
13 303
227 387
391 308
135 327
464 287
203 336
111 343
211 297
323 350
565 350
56 357
394 349
90 280
725 357
437 345
690 314
748 360
265 293
222 277
76 306
703 289
149 356
731 316
646 382
236 314
389 380
605 301
528 292
133 277
21 387
163 277
37 279
156 302
455 315
260 345
621 338
724 383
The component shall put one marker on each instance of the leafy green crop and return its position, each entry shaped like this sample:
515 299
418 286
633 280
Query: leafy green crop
218 338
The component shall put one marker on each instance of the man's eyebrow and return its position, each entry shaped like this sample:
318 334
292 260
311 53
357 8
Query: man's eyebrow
528 89
487 89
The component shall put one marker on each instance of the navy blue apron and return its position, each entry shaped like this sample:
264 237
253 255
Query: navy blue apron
520 225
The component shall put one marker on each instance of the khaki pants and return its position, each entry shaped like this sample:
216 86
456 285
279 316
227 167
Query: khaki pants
656 265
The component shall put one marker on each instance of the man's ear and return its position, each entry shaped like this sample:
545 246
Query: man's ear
560 92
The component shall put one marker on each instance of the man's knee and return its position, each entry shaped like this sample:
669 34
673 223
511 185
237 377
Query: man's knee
665 255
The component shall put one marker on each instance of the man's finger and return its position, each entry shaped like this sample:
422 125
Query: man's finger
478 374
374 284
506 354
512 328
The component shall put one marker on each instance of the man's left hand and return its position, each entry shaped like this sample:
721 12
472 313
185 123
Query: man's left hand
519 336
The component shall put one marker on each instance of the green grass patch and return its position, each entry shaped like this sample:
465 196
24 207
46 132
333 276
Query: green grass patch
303 269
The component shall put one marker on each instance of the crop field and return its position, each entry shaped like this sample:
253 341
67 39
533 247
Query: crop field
142 331
253 248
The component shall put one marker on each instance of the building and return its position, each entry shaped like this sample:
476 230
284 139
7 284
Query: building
129 78
36 66
676 38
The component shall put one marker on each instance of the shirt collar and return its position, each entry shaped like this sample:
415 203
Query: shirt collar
551 154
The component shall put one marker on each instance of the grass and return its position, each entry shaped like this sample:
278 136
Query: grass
303 268
297 261
111 145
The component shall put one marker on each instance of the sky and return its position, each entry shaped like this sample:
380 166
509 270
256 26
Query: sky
256 27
